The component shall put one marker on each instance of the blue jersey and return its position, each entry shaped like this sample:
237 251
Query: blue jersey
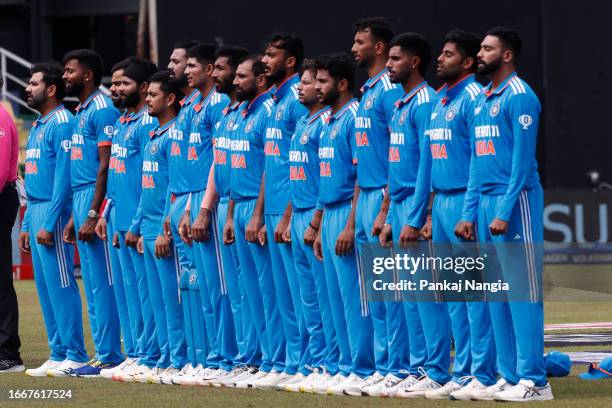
126 165
118 131
247 148
409 154
304 160
93 127
337 156
449 135
180 143
376 108
286 111
155 180
223 136
208 112
504 138
47 166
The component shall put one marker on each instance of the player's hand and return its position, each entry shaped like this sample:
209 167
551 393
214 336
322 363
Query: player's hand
253 228
426 231
115 242
310 235
184 228
465 230
44 237
23 242
498 227
385 238
408 235
379 223
345 241
68 233
228 232
140 245
162 247
167 228
101 228
317 247
131 239
280 230
287 234
262 235
201 225
87 232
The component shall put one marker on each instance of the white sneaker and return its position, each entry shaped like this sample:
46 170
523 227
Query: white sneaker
230 380
108 372
403 385
445 391
525 391
248 380
313 379
270 381
141 374
184 376
155 375
42 370
166 376
291 384
221 375
63 370
466 392
487 393
419 389
125 374
381 388
204 376
335 385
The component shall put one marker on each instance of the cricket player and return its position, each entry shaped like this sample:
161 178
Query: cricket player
371 50
47 172
509 210
90 153
338 193
161 258
283 55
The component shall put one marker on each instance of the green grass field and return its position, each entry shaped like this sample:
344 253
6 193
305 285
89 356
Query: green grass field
569 392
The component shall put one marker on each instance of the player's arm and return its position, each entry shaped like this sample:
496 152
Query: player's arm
228 228
23 241
465 227
256 223
200 226
379 222
346 240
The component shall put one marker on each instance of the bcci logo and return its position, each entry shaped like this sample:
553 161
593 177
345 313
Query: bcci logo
450 114
279 114
369 102
334 133
249 126
525 121
153 148
304 138
230 125
402 118
192 278
494 110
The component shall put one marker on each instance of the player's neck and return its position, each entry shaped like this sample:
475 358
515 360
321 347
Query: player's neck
412 82
232 96
48 106
312 109
288 75
86 93
377 67
342 100
187 91
140 105
501 74
458 79
206 88
165 117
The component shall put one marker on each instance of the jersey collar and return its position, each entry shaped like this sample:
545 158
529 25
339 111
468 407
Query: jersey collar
372 81
407 97
204 100
255 103
488 91
88 100
342 111
163 129
281 90
189 99
448 93
42 120
310 119
231 107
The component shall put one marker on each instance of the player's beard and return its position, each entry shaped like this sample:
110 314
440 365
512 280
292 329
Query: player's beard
450 76
273 78
131 100
486 69
75 89
37 101
246 94
117 102
331 97
226 86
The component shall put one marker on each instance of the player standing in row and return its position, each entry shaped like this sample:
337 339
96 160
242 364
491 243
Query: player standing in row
90 154
47 172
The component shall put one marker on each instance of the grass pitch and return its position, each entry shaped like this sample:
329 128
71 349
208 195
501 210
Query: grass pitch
569 391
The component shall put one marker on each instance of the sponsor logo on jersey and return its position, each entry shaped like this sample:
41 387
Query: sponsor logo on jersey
403 116
40 136
477 110
334 133
279 114
249 126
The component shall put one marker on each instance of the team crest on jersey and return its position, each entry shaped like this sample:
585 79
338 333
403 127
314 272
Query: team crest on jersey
40 136
334 133
369 102
153 147
249 126
494 109
279 114
82 123
525 121
402 118
304 138
450 114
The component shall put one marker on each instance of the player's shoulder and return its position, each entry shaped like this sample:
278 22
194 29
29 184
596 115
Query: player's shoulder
294 91
63 117
425 95
519 90
101 102
219 99
268 105
473 89
386 85
353 107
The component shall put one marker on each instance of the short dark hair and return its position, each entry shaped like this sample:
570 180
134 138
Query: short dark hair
378 26
203 52
122 64
509 37
258 66
140 70
51 75
415 44
90 60
185 44
169 85
292 44
467 43
309 64
339 65
234 54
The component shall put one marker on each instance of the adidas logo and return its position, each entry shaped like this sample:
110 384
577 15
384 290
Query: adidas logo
517 236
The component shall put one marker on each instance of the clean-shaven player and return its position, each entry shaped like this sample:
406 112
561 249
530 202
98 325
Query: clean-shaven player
90 154
409 188
509 210
371 51
449 140
338 193
247 161
326 359
47 172
161 258
283 55
127 151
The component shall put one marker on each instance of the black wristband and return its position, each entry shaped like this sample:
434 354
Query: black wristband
312 226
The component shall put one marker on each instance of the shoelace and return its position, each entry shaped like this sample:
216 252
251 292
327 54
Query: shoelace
408 382
465 380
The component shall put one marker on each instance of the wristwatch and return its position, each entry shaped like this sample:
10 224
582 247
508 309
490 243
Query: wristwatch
93 214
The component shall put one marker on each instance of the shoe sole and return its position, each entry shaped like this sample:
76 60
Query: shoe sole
35 375
524 400
15 369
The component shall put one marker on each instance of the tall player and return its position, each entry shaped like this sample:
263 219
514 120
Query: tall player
509 210
47 171
282 58
371 50
449 138
90 154
338 193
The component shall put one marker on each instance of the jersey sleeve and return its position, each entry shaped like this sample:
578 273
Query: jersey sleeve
104 125
472 195
350 130
60 143
137 220
388 100
524 115
25 223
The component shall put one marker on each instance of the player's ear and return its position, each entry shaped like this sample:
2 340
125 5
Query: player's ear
209 69
416 61
51 91
260 80
170 99
380 48
343 85
143 88
507 55
290 62
89 75
469 63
